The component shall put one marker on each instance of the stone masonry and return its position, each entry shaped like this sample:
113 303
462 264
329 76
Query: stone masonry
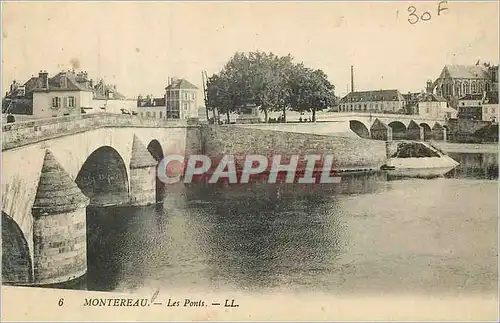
142 175
59 229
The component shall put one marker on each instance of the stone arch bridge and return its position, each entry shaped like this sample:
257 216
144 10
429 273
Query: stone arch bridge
53 169
396 126
373 126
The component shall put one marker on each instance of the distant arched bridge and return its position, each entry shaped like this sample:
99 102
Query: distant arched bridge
361 125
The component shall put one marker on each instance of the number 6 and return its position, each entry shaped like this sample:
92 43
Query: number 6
61 302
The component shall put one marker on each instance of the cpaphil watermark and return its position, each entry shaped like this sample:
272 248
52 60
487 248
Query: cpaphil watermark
308 169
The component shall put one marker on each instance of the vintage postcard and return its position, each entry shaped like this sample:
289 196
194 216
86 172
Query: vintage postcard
249 161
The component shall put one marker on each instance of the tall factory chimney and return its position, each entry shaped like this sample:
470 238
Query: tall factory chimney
352 78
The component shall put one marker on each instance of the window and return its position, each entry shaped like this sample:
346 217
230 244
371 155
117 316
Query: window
465 87
161 114
427 110
457 89
140 114
147 114
154 114
71 102
185 96
192 96
185 106
56 102
473 87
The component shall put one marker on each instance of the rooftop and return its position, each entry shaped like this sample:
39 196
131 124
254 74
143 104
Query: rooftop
65 81
181 84
150 102
102 91
376 95
465 72
475 96
431 97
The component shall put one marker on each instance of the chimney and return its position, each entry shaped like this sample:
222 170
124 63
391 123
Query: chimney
43 79
429 86
63 81
352 78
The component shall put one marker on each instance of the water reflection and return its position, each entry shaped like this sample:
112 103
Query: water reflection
366 233
254 243
121 243
475 165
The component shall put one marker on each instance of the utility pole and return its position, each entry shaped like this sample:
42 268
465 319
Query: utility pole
204 80
352 78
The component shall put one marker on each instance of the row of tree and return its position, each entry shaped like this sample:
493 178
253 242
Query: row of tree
272 82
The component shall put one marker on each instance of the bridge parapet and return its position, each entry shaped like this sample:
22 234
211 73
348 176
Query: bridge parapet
28 132
395 116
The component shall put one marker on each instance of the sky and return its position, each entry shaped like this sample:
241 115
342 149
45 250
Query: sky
139 45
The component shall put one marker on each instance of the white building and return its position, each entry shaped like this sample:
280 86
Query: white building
434 106
490 107
108 99
66 93
390 101
181 98
470 106
150 107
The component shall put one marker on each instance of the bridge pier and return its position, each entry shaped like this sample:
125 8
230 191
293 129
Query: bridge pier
414 131
142 175
438 132
59 226
380 131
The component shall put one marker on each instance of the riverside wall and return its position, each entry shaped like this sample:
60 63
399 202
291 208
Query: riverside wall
241 141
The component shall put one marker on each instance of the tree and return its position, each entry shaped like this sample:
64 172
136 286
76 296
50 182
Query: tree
310 91
272 82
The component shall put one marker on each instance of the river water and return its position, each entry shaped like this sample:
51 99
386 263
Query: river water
380 236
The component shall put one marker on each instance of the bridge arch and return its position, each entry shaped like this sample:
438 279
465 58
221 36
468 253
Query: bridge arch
427 131
103 177
359 128
398 129
16 259
156 150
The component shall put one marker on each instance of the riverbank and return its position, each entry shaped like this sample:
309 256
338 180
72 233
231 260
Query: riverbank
451 147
